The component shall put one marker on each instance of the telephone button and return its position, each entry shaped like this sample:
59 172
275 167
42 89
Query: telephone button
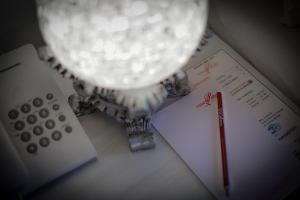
56 135
55 107
68 129
50 124
32 148
44 141
62 118
49 96
38 130
25 136
37 102
13 114
31 119
19 125
25 108
43 113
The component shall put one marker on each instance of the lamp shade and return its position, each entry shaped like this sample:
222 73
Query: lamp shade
122 44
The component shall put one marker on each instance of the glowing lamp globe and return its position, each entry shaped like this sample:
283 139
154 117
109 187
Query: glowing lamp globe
122 44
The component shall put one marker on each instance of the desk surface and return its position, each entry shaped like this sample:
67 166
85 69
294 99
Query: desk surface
120 174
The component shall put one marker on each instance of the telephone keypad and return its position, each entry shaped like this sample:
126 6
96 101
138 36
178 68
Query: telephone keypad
38 116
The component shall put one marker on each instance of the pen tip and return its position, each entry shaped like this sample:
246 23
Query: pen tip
227 191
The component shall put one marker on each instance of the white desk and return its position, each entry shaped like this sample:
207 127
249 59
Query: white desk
120 174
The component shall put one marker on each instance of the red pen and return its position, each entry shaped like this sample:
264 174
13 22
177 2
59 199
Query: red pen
223 144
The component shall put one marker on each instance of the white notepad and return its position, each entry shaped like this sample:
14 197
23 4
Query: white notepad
260 132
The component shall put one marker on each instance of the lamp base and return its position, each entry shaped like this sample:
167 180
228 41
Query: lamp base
135 119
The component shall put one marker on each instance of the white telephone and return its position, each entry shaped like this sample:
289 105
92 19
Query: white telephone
40 137
13 173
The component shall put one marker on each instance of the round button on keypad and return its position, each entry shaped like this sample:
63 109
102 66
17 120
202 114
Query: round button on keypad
62 118
56 135
43 113
49 96
50 124
31 119
25 136
32 148
44 141
25 108
68 129
19 125
38 130
55 107
13 114
37 102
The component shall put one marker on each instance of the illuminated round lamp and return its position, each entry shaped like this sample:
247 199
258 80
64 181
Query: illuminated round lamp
122 44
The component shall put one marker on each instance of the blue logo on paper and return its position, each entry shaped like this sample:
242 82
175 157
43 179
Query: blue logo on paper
273 128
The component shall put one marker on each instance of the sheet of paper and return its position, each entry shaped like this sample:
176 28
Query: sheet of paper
262 133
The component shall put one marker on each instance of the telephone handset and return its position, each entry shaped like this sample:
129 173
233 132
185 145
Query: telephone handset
41 138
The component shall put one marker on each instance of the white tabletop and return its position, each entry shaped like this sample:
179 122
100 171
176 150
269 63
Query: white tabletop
120 174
